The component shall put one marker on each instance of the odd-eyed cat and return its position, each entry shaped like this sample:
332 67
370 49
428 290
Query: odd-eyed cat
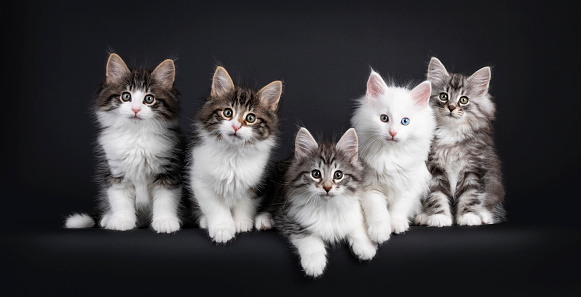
466 176
318 202
139 149
395 127
235 132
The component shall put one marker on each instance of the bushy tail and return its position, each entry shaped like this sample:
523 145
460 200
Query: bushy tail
79 220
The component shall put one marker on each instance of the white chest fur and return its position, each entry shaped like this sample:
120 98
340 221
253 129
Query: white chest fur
449 156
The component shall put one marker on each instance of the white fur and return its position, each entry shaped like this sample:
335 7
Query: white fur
75 221
263 221
397 168
222 177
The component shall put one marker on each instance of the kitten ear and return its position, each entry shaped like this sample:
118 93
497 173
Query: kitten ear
304 144
480 80
421 93
165 73
375 86
349 145
221 82
270 94
436 70
116 69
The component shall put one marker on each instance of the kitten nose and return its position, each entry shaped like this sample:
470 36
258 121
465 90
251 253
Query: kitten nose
327 187
451 107
392 133
136 110
236 127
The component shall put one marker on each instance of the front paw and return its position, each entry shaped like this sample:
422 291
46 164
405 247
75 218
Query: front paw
243 225
263 221
438 220
469 219
364 250
399 225
112 222
166 225
379 231
314 264
203 222
222 232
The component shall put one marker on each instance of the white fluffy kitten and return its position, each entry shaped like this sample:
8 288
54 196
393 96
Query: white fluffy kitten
395 127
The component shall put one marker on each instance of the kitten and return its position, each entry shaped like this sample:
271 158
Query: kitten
139 149
235 131
466 182
396 127
319 202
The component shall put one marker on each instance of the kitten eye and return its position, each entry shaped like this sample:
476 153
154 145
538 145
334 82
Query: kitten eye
384 118
463 99
250 118
125 97
227 112
443 96
338 174
405 121
148 99
316 173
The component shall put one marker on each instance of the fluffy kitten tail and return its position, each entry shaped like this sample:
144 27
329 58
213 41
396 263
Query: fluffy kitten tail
79 220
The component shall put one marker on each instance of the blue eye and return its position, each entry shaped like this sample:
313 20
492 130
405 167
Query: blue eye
405 121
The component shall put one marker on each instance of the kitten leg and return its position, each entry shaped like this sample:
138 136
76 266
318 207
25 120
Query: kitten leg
469 201
263 221
312 252
219 219
374 207
243 213
165 210
121 215
399 210
360 243
436 210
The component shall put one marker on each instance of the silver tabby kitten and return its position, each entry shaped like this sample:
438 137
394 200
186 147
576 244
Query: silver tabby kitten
318 201
466 177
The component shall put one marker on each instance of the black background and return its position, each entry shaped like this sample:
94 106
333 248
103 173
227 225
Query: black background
55 55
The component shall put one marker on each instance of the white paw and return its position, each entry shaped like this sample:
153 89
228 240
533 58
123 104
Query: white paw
263 221
469 219
486 217
117 223
166 225
364 250
203 222
379 231
243 225
314 264
421 219
222 232
438 220
399 225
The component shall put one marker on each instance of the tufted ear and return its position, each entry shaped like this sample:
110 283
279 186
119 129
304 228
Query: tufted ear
480 80
116 69
421 94
349 145
436 70
165 73
221 82
375 86
270 94
304 144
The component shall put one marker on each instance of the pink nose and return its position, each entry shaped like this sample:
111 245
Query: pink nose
392 133
136 110
236 127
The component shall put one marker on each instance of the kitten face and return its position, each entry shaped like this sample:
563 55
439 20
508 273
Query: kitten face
458 99
392 114
138 94
322 172
240 115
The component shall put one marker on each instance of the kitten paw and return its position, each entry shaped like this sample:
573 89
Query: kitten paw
379 231
421 219
263 221
469 219
222 233
203 222
399 225
314 264
166 225
438 220
486 217
243 225
117 223
364 250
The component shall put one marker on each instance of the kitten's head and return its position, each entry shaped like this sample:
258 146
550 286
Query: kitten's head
458 99
240 115
138 94
391 114
323 171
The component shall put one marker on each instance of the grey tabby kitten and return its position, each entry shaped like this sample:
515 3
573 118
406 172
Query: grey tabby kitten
318 202
466 177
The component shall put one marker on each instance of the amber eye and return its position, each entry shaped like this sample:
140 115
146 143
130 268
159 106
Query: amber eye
250 118
384 118
148 99
464 100
443 96
125 97
227 112
338 174
316 173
